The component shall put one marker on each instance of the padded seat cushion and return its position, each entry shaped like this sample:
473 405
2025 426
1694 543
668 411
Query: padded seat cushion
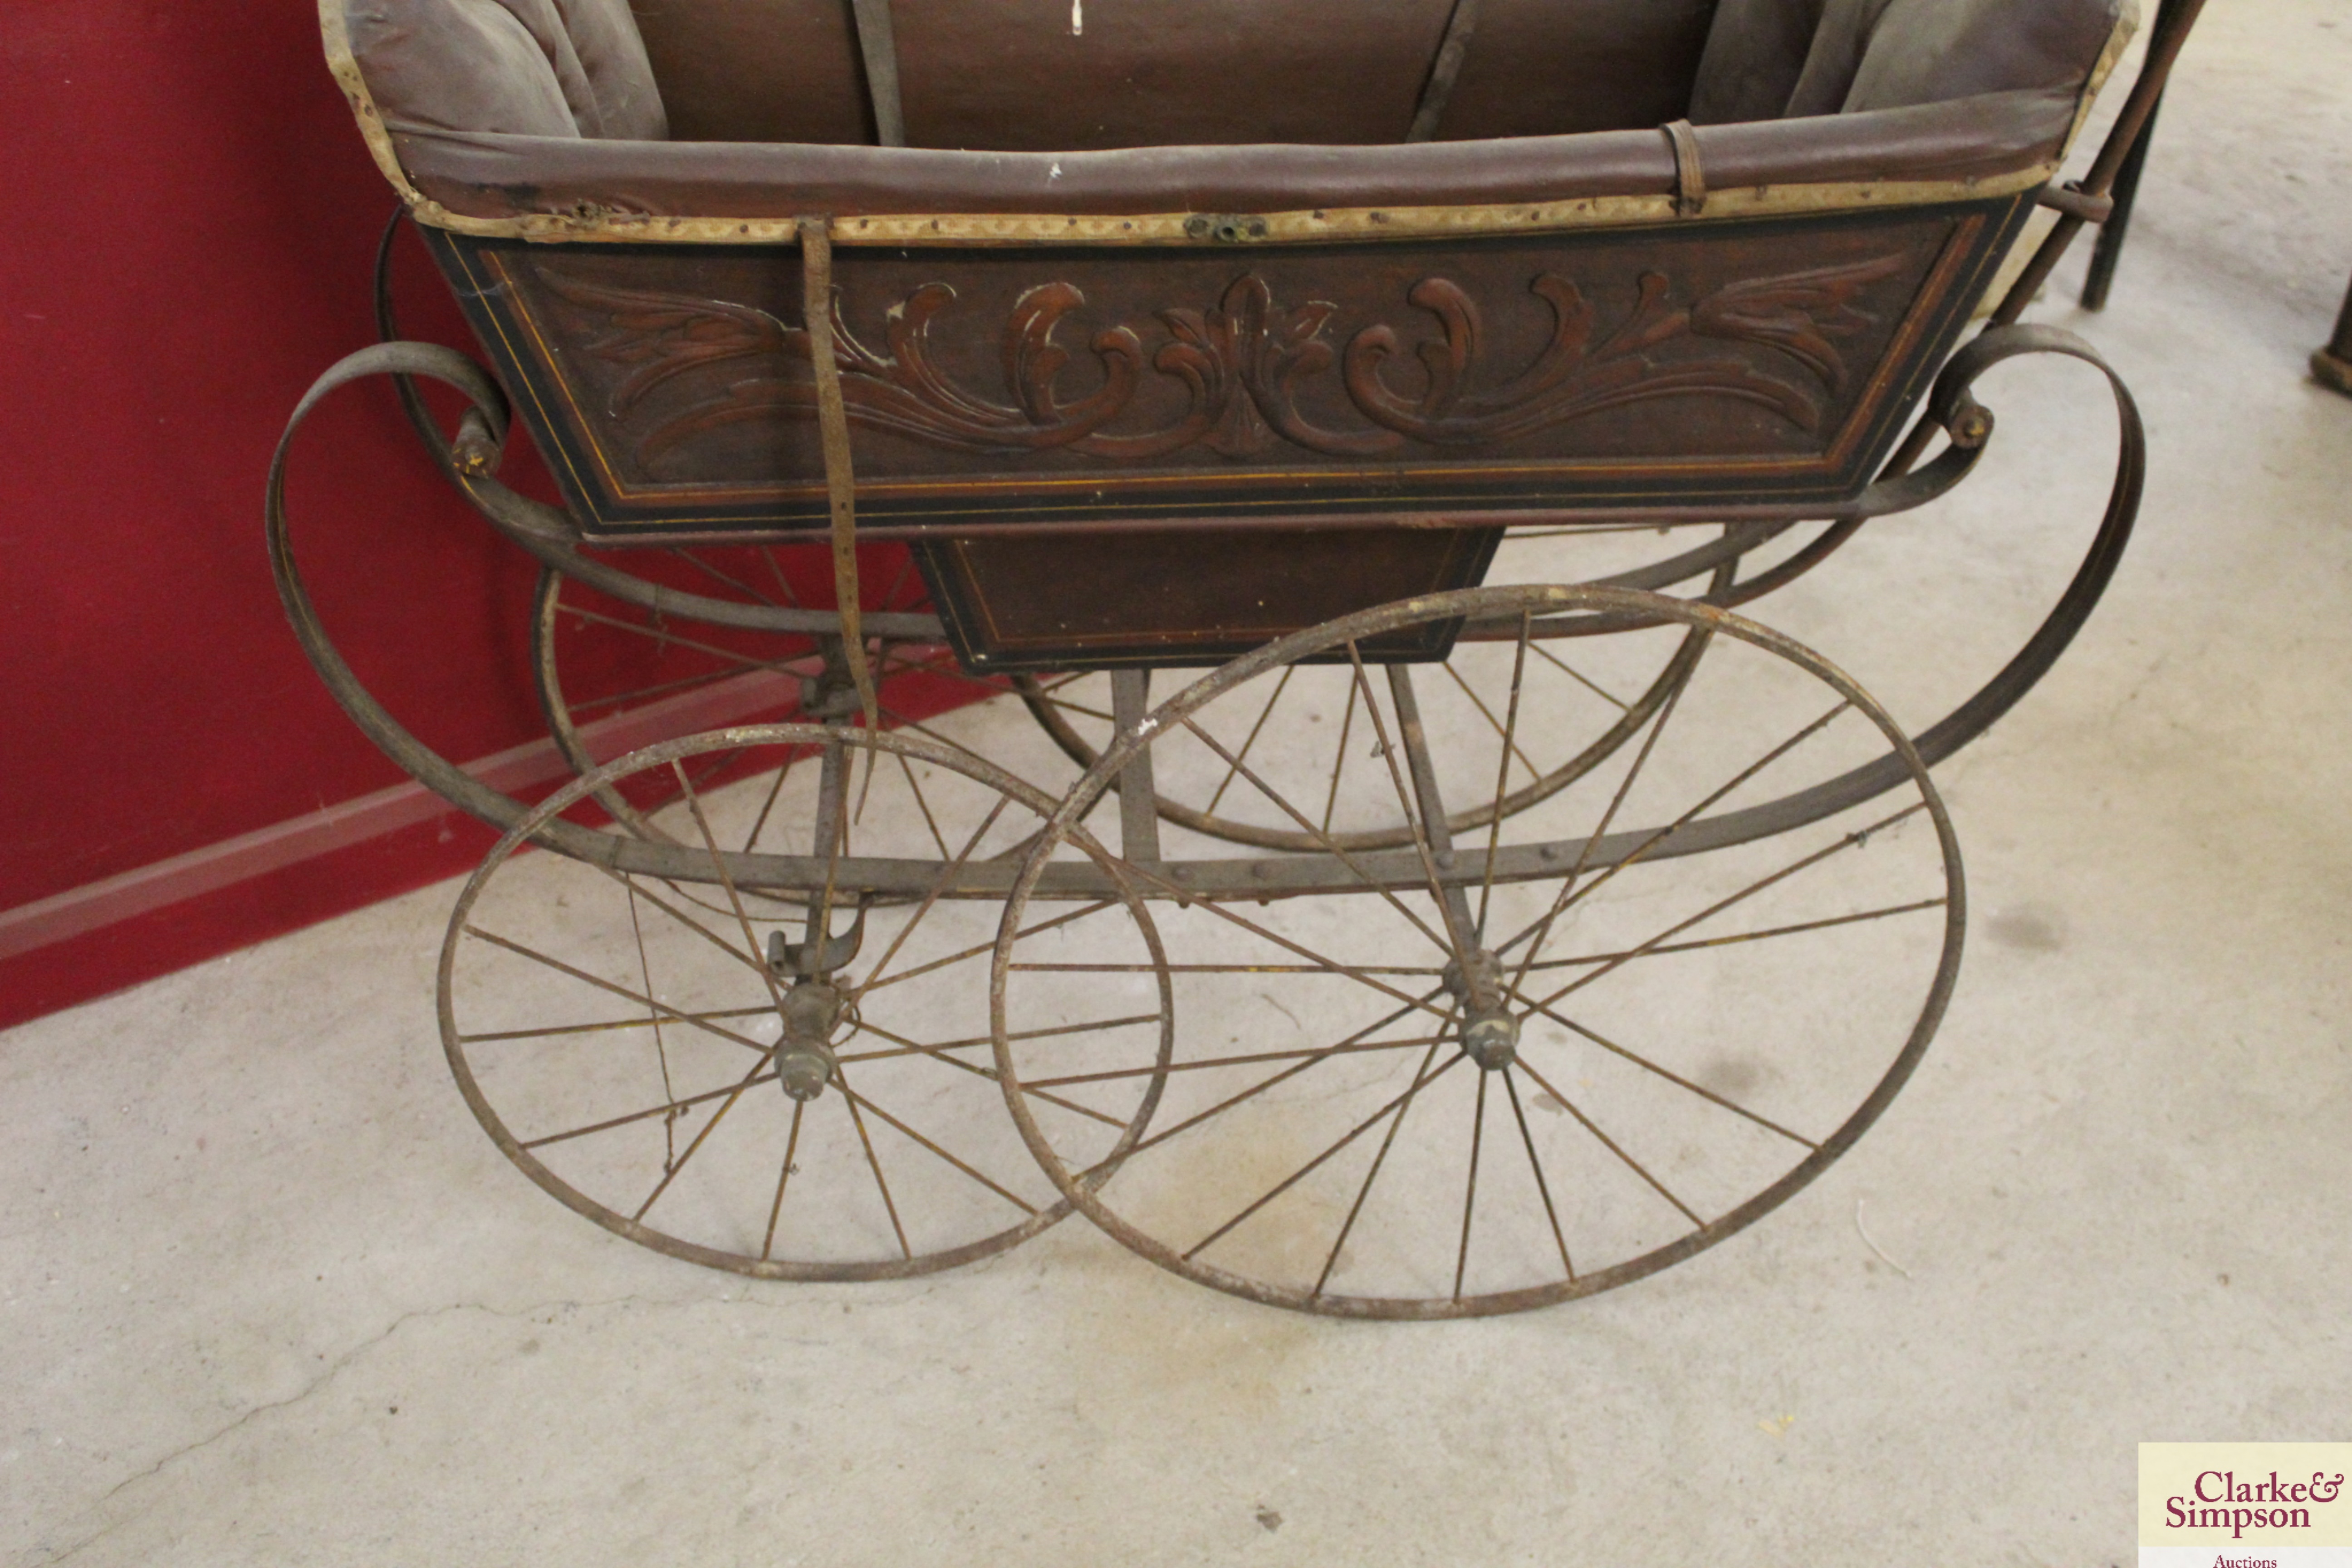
523 68
508 109
1778 59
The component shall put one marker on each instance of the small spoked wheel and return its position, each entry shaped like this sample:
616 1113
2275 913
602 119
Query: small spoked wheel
758 1041
1497 1069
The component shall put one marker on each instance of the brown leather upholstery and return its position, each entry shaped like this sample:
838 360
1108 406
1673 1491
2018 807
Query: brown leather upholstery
1769 59
496 176
1011 75
502 107
524 68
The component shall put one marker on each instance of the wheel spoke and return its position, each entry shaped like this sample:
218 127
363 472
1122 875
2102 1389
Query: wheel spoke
906 568
606 1025
681 917
1057 1030
1312 1166
977 948
1502 774
700 1021
924 806
1715 941
1851 841
716 576
661 689
1460 943
1569 887
703 1136
902 722
1581 680
1329 845
1268 712
1066 705
1254 1091
769 804
1675 1079
1006 1193
726 880
668 1108
1612 1145
939 1053
1388 1140
668 638
1327 966
873 1163
783 1174
1642 851
1511 748
947 874
1470 1194
783 585
1218 968
1339 766
1319 1053
1543 1187
661 1050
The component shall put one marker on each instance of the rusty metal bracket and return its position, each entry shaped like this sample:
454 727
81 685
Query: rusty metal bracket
2073 200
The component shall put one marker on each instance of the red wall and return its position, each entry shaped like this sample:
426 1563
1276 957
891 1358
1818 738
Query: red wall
192 221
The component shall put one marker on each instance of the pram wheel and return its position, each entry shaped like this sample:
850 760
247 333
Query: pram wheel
753 1051
1500 1069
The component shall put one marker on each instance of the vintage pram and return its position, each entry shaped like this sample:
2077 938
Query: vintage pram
1459 942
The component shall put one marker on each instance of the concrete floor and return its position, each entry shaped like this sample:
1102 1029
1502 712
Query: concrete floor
271 1297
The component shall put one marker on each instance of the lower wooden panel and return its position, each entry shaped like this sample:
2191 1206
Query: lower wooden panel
1174 600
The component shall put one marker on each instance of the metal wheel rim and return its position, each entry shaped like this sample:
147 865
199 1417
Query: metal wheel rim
1085 1193
580 1203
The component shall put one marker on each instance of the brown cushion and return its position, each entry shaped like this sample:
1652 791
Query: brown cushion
504 108
524 68
1010 75
493 176
1770 60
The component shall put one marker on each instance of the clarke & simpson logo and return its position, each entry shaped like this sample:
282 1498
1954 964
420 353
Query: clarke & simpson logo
2244 1505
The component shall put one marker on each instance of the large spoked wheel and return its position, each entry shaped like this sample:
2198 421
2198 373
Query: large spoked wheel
1495 1070
765 1052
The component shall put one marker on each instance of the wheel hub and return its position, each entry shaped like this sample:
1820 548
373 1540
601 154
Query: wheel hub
804 1058
1490 1032
1491 1040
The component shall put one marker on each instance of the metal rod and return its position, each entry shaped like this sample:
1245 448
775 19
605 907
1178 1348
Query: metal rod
2173 23
2117 227
1444 71
878 49
1139 804
1423 772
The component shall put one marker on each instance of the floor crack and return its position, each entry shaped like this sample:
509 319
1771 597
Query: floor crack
333 1370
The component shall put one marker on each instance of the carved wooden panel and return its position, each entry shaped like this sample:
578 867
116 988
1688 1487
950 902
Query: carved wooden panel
1693 362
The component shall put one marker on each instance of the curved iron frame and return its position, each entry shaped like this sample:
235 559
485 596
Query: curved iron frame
544 532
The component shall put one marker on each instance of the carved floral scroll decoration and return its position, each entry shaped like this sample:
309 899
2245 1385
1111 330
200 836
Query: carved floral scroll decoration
1244 365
